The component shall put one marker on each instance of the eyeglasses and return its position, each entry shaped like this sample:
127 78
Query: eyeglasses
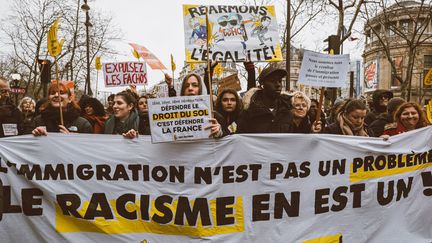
232 22
4 91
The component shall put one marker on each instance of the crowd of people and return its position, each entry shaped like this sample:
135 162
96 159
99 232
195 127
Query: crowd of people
265 108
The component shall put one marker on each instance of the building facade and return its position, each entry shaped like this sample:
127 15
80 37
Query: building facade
399 26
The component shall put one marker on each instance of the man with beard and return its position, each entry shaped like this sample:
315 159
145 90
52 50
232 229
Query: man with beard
10 116
266 110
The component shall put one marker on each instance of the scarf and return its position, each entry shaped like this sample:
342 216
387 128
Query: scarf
114 126
348 128
51 117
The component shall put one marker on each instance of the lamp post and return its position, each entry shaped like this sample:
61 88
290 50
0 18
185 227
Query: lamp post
16 78
85 7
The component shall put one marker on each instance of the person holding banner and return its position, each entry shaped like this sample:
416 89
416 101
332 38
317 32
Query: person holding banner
59 96
266 110
350 119
125 118
229 105
192 85
408 116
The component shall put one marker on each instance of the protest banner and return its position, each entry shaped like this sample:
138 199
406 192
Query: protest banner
235 33
241 188
118 74
179 118
230 82
323 70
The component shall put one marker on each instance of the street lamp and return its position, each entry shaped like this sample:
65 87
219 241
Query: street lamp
16 78
85 7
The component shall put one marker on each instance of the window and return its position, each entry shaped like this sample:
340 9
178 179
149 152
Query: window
404 24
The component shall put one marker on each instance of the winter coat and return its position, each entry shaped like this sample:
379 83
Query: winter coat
376 128
376 108
114 126
394 128
258 118
28 123
9 114
50 118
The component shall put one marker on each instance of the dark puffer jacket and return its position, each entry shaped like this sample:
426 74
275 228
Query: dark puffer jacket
50 118
257 117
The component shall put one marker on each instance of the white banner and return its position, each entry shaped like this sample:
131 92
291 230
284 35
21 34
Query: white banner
179 118
243 188
235 33
323 70
124 73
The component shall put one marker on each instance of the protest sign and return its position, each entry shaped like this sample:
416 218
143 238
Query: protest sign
241 188
230 82
323 70
235 33
179 118
124 73
371 75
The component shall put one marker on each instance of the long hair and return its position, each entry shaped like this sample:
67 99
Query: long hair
422 122
128 97
183 87
239 104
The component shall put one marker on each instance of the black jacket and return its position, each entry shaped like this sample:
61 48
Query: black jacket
257 118
376 128
50 118
9 114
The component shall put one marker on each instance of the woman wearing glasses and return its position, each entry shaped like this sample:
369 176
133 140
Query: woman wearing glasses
300 119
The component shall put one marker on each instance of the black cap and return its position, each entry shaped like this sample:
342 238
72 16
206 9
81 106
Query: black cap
271 72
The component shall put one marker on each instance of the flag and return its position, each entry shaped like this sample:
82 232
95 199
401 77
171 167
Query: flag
98 63
148 56
173 65
209 30
54 46
136 54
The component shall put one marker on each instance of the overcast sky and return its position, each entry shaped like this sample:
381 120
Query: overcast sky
158 25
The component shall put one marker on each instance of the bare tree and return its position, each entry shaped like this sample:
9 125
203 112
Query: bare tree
382 22
26 33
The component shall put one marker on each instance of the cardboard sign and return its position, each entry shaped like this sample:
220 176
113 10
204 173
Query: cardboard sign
179 118
234 33
118 74
230 82
323 70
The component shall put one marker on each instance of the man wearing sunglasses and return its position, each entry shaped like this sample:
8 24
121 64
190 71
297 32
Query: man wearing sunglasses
10 116
380 99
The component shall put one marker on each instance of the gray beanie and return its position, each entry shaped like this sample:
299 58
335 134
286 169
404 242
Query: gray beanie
393 104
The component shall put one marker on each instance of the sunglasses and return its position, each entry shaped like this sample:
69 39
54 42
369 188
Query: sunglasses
231 22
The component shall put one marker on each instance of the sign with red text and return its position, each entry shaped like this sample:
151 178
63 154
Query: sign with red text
295 188
118 74
179 118
234 33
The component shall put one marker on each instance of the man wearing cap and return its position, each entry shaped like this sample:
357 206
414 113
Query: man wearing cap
10 116
380 99
266 110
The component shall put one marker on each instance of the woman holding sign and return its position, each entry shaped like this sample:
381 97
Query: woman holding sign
125 118
59 97
192 85
350 119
